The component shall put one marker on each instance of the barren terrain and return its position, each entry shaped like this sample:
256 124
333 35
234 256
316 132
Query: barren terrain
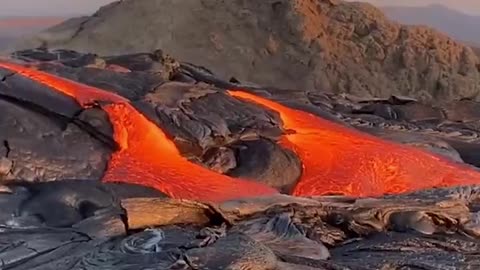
272 135
47 136
325 45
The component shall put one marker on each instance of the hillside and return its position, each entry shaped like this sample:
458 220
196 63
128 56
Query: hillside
323 45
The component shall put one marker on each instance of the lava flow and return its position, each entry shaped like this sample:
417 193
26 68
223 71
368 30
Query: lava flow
340 160
146 155
336 159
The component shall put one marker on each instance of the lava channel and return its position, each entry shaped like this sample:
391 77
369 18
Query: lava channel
341 160
146 156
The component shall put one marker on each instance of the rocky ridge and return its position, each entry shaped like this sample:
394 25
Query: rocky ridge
320 45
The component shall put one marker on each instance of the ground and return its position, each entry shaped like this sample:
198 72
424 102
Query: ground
61 216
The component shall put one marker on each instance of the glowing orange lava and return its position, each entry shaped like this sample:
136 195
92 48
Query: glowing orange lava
146 155
341 160
336 159
85 95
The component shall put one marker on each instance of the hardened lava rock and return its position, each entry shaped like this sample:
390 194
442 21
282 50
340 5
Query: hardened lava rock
105 226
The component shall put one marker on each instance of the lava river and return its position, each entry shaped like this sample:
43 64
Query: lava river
341 160
336 159
146 155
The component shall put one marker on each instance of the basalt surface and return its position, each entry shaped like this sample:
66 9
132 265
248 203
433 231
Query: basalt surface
51 220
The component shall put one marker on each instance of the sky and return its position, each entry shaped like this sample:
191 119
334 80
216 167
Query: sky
466 6
77 7
49 7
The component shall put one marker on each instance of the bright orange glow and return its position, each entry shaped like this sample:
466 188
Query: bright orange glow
146 155
341 160
85 95
336 159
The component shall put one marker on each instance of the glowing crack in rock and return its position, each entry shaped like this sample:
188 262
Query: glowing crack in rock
341 160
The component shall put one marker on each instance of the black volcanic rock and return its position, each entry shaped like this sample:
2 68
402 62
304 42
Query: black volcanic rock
321 45
36 146
59 225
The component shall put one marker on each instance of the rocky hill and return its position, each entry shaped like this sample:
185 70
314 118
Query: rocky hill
321 45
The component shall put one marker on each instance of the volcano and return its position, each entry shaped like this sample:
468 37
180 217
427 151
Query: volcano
223 174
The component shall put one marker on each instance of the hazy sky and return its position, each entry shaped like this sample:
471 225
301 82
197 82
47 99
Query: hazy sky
67 7
49 7
467 6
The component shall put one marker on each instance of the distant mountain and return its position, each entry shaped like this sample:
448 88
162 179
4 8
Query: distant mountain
5 41
456 24
12 28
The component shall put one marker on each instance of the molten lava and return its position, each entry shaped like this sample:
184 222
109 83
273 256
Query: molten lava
146 155
336 159
340 160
